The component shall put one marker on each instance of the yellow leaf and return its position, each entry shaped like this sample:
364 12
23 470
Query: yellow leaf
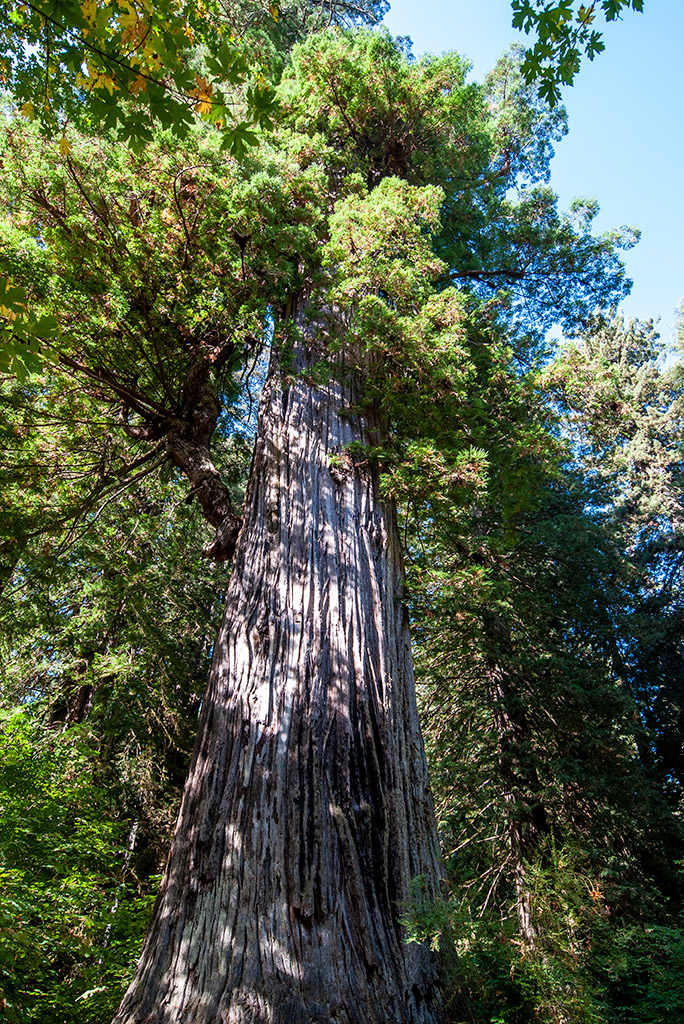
89 8
134 29
274 11
64 146
202 95
138 85
204 104
105 82
28 111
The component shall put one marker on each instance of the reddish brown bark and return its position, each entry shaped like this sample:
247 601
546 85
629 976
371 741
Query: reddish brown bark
307 812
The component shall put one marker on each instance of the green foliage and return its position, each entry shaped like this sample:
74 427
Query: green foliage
628 434
131 64
128 63
21 352
390 194
137 67
564 32
379 115
380 248
106 630
544 619
589 963
71 918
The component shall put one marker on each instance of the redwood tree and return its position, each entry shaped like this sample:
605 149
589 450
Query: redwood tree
306 814
306 829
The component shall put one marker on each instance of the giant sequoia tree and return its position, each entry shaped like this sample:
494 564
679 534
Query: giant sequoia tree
306 823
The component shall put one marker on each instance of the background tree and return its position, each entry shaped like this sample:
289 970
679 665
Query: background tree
630 439
559 840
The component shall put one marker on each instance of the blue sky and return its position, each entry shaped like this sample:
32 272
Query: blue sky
625 145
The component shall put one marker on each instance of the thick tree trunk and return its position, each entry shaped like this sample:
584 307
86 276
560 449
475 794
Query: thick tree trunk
306 813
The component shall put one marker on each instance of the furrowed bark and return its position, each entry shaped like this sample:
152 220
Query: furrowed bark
307 812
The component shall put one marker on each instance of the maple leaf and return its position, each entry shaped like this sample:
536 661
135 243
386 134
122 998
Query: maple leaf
138 85
202 95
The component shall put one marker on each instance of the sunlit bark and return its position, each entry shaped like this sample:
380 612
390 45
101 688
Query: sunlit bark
307 812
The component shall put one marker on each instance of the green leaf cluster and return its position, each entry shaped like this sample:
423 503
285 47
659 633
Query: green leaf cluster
67 942
565 33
